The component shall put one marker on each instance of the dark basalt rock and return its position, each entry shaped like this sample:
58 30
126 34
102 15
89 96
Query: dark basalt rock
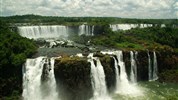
73 77
142 66
109 70
73 73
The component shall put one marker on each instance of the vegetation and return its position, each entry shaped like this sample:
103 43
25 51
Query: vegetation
37 19
15 49
153 38
13 53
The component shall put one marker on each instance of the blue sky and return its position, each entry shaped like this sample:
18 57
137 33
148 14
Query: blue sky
99 8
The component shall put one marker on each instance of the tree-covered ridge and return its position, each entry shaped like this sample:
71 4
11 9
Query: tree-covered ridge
13 53
140 38
36 19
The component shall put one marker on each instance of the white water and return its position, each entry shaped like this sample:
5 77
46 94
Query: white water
152 68
133 73
117 73
116 27
93 27
98 80
53 31
124 87
35 32
149 68
86 30
33 88
155 67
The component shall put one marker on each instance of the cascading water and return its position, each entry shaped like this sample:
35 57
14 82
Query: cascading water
124 87
123 82
93 30
38 79
116 27
133 73
149 68
35 32
155 67
152 68
98 80
86 30
53 31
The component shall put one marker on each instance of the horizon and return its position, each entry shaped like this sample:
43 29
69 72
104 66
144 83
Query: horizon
89 17
139 9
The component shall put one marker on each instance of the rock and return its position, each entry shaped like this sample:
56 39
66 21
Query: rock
73 75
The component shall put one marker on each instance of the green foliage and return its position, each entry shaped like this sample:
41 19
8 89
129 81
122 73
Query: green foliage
164 36
156 38
36 19
14 50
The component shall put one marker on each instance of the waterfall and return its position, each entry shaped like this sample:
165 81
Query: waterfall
86 30
155 67
38 79
53 31
116 27
149 68
152 68
35 32
123 86
133 73
93 30
98 80
123 80
117 73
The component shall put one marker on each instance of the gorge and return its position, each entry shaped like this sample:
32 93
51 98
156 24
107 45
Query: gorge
107 75
99 76
93 62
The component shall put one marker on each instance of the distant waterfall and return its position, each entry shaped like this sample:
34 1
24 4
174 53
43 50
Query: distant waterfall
86 30
98 80
54 31
35 32
38 79
152 68
133 73
116 27
92 33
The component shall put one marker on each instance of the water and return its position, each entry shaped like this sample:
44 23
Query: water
133 73
38 79
39 82
35 32
117 73
86 30
149 68
155 67
153 91
54 31
116 27
152 68
98 80
124 86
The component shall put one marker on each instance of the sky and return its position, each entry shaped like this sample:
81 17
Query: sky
98 8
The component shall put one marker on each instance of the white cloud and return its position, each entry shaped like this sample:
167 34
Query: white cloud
115 8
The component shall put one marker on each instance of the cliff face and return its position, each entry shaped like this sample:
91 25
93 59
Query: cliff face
73 73
168 66
142 64
73 77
